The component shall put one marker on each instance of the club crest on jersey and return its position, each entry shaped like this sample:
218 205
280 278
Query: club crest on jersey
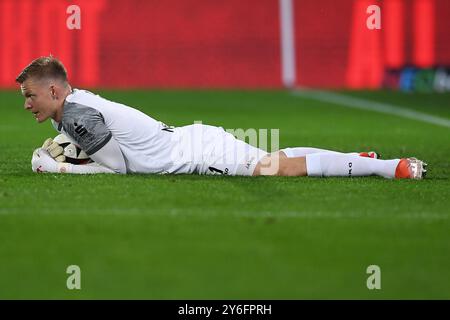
80 129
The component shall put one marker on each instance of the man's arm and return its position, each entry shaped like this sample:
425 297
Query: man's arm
86 126
89 168
108 159
110 156
43 162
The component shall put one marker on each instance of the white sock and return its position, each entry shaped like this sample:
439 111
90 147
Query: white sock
303 151
348 165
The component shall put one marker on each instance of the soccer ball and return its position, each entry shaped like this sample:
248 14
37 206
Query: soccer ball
73 153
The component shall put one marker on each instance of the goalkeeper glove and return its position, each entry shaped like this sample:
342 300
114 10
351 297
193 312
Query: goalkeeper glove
43 162
54 149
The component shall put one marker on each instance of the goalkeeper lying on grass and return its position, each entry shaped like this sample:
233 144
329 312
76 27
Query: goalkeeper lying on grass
120 139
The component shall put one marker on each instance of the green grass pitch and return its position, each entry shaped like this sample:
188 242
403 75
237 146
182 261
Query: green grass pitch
212 237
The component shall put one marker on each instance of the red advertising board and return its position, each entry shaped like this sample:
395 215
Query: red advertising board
221 44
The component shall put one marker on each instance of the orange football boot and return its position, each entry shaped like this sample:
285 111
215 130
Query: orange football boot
410 168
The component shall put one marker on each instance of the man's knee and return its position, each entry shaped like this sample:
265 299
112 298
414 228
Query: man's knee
267 166
274 164
278 164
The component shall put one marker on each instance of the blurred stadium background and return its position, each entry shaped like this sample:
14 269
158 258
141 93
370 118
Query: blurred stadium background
232 44
295 65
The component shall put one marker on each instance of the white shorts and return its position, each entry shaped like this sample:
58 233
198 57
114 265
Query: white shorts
205 149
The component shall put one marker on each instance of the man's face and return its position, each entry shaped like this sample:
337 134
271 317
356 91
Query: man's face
39 99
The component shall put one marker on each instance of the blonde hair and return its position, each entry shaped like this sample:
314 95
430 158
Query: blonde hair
43 67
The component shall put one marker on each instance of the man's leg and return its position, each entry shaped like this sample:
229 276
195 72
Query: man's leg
278 164
348 165
336 165
303 151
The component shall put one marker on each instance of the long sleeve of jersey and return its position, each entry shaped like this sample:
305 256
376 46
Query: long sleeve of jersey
86 126
90 168
108 159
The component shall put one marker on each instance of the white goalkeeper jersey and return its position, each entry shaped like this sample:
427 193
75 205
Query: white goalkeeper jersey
91 121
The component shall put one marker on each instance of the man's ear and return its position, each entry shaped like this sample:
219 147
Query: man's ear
53 92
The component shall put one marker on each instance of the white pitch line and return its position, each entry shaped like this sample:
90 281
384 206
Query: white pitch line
363 104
